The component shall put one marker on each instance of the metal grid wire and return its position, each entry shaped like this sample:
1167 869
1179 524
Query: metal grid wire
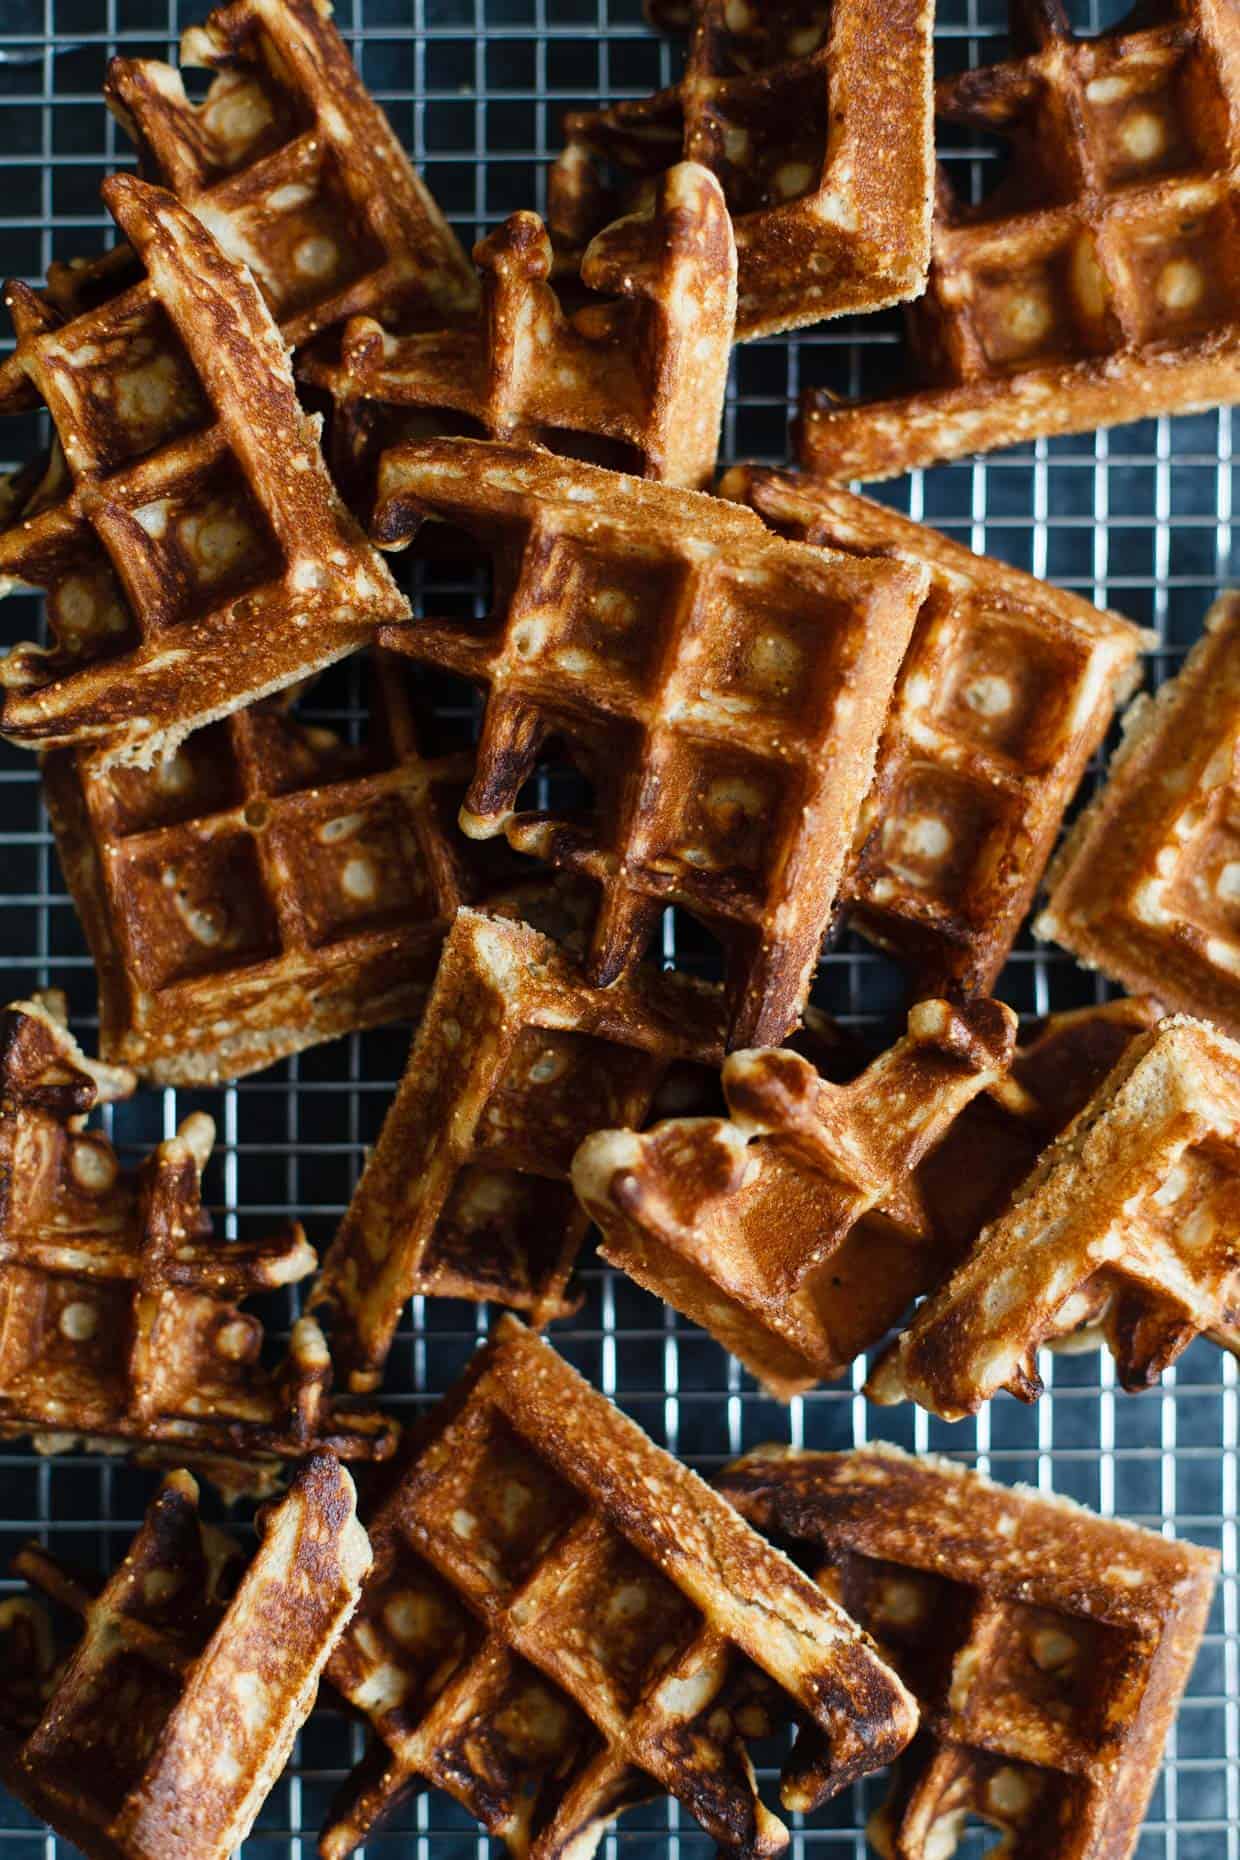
1140 519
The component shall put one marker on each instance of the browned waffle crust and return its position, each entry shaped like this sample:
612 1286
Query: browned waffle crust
167 1726
193 552
466 1193
1147 886
294 168
790 1230
1007 690
1096 283
265 887
1127 1223
1048 1648
562 1620
815 118
722 689
120 1318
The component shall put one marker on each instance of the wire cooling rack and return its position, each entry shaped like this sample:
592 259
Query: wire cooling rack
1139 518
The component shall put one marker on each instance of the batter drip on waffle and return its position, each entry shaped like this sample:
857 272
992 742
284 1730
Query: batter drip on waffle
120 1319
816 119
466 1193
1007 690
292 166
1048 1648
266 886
167 1726
1128 1225
722 691
562 1620
1095 284
641 367
1147 885
790 1230
194 554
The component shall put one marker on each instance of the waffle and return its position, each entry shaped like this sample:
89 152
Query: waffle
167 1726
562 1620
1048 1648
194 554
1147 886
970 1177
1007 691
645 372
466 1194
265 887
723 691
791 1231
120 1319
1126 1226
1095 285
816 119
292 166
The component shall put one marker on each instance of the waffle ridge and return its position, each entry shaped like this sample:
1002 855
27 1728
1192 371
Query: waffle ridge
722 689
562 1620
1048 1647
170 1721
1007 690
266 887
120 1313
1095 285
815 118
194 554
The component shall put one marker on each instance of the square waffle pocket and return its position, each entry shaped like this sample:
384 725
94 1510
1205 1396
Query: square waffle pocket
167 1726
816 120
791 1230
1048 1648
1125 1229
120 1318
1007 690
563 1620
1097 283
722 690
466 1194
266 886
1147 885
194 554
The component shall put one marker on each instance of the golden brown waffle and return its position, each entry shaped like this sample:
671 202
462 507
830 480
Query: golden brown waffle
466 1194
722 690
194 553
166 1728
790 1231
1007 690
292 166
265 887
815 117
120 1319
1096 284
1127 1225
562 1620
1048 1648
641 367
1147 886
